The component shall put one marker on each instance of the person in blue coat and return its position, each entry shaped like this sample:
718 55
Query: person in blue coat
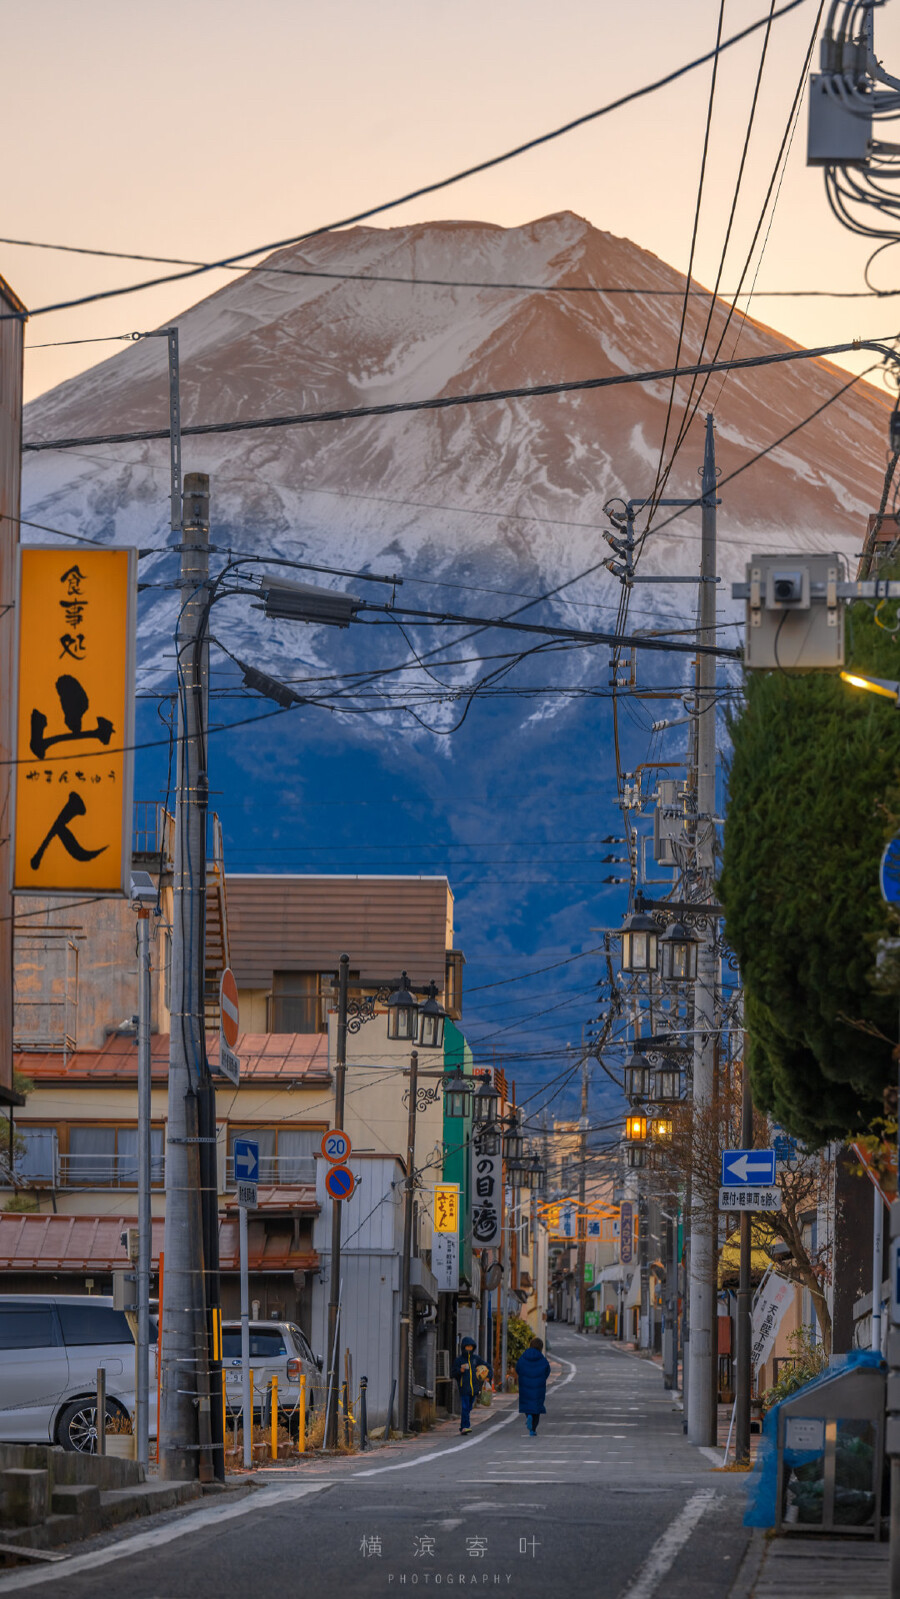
465 1371
532 1370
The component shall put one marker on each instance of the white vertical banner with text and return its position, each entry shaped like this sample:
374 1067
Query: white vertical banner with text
445 1262
486 1192
772 1300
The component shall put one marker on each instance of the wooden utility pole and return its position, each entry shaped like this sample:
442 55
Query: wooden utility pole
337 1208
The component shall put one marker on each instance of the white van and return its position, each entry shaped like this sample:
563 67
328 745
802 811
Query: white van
50 1349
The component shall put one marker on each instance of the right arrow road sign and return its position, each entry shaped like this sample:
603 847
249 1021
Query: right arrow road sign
742 1167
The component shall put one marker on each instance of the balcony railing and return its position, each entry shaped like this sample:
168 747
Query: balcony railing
106 1171
279 1171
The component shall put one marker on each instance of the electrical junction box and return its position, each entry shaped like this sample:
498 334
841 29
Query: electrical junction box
794 615
836 136
670 821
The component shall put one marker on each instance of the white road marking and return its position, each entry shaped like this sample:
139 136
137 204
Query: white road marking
662 1556
480 1435
716 1456
208 1516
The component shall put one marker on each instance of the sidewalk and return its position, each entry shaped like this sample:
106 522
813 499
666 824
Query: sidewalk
812 1568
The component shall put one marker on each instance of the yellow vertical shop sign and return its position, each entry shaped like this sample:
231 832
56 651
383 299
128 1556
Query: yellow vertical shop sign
75 728
446 1207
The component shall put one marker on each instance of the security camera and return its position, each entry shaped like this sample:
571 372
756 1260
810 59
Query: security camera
787 587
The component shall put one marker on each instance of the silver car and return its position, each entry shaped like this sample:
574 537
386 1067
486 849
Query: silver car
277 1349
50 1349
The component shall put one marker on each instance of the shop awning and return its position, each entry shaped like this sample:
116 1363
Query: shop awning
85 1244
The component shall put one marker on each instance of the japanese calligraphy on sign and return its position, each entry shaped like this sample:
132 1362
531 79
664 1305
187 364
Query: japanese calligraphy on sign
75 721
445 1262
486 1193
446 1207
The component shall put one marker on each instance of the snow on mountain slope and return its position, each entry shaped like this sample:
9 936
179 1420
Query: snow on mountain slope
509 493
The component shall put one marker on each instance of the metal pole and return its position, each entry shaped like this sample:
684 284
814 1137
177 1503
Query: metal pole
405 1331
340 1083
246 1397
701 1410
743 1340
100 1412
504 1309
184 1351
145 1221
877 1263
582 1194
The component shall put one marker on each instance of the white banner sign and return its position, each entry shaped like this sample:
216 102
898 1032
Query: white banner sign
486 1196
445 1261
772 1301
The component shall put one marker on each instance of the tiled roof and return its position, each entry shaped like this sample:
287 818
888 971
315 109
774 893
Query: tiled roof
93 1243
282 1057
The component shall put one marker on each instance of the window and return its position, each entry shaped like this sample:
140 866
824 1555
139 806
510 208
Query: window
35 1153
296 1006
94 1324
302 1346
286 1154
107 1157
264 1344
27 1327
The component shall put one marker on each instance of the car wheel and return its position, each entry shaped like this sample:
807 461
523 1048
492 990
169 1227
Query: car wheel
77 1429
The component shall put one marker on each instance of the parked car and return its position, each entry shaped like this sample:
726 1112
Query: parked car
277 1349
50 1349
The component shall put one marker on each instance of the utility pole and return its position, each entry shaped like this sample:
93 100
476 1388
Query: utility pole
582 1190
403 1375
185 1433
334 1297
744 1338
702 1414
145 1219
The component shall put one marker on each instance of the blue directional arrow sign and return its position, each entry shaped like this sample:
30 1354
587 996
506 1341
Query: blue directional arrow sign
747 1168
246 1160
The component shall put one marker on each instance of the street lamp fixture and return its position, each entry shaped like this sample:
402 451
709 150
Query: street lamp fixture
661 1128
678 954
666 1084
513 1142
637 1077
636 1129
403 1013
486 1102
636 1156
876 685
531 1174
431 1021
457 1096
640 943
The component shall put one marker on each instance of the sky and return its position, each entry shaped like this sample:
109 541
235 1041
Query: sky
197 130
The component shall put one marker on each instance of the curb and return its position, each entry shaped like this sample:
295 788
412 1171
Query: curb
751 1565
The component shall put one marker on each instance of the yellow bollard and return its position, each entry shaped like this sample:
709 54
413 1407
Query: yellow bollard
301 1425
274 1418
224 1412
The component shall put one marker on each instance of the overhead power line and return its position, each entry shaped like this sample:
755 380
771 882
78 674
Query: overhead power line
428 188
451 401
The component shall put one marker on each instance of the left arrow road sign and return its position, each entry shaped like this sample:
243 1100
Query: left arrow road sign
743 1167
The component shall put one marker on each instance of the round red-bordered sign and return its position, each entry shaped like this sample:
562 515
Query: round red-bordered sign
340 1182
229 1015
336 1146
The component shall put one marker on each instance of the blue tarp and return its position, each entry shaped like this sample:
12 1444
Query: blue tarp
763 1484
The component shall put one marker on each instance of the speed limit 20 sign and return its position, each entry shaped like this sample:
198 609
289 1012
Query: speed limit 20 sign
336 1147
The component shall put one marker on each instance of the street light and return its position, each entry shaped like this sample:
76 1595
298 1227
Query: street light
876 685
457 1096
431 1021
678 954
403 1013
640 943
513 1142
666 1084
661 1128
486 1102
637 1077
636 1129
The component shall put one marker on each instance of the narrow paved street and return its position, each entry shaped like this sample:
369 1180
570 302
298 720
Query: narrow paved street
608 1500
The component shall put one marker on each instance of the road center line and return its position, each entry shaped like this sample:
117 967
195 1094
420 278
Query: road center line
662 1556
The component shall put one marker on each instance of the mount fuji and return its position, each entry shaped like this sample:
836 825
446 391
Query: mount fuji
478 509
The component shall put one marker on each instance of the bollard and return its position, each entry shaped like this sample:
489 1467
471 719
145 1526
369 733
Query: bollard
301 1423
100 1412
363 1413
345 1401
273 1417
252 1401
